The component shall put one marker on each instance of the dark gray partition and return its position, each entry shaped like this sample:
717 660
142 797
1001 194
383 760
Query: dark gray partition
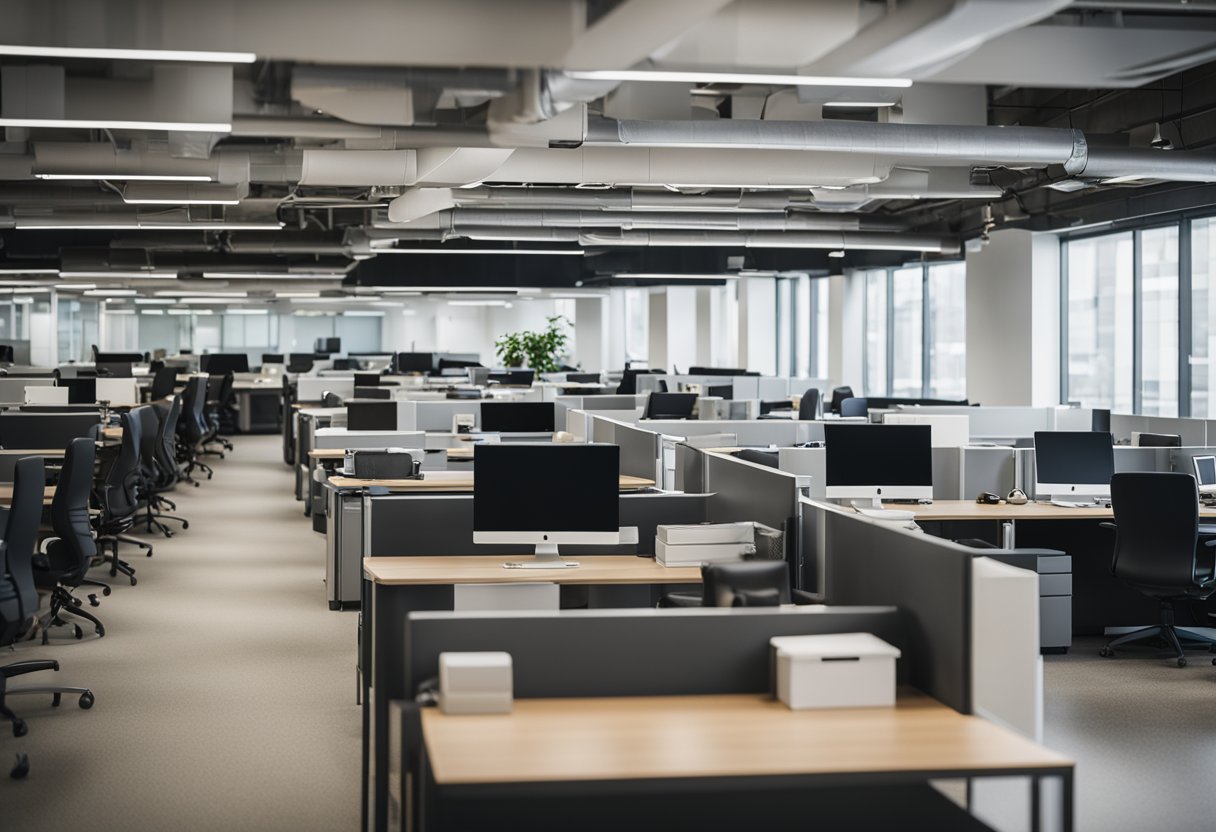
640 450
927 578
442 524
637 652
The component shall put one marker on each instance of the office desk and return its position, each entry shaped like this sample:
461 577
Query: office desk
1099 601
461 453
394 587
606 749
452 484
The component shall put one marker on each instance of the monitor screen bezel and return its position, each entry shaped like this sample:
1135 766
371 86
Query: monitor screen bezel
876 491
1051 490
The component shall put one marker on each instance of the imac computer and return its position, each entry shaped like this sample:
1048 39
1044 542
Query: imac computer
1156 440
1073 464
518 417
546 495
1205 474
670 405
872 463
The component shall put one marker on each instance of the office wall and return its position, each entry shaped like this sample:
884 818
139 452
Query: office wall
1013 320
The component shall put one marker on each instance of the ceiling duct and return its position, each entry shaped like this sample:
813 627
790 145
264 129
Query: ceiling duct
101 160
849 241
459 219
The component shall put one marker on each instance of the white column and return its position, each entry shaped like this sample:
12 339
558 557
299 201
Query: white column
757 325
704 327
657 333
591 333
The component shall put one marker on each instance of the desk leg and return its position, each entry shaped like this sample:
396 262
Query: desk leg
1066 801
1008 535
1036 803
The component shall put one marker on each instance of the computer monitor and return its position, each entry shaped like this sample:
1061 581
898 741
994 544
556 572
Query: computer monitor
1073 464
546 495
669 405
878 462
1205 473
218 363
518 417
367 379
583 378
300 362
414 362
514 378
115 357
330 345
1156 440
80 390
273 358
114 369
722 391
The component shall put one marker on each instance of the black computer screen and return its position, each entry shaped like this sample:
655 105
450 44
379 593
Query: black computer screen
300 362
1205 470
367 379
272 358
330 345
45 430
517 417
515 378
114 369
1081 457
1160 440
878 455
670 405
414 362
219 363
546 488
80 390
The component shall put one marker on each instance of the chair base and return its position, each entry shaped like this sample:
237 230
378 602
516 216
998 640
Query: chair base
1165 631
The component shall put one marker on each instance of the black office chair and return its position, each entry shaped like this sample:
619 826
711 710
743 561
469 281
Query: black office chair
808 407
163 383
119 497
19 596
158 468
329 399
65 558
839 394
749 583
219 414
1158 552
855 407
192 429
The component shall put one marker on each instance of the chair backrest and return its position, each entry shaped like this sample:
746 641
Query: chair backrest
194 399
1157 515
166 441
70 509
752 583
149 436
808 407
21 532
855 407
227 395
329 399
119 491
839 394
163 382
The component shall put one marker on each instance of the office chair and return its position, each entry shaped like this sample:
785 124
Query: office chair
839 394
855 407
216 412
19 596
1158 553
163 383
808 407
192 428
329 399
161 473
67 556
118 495
748 583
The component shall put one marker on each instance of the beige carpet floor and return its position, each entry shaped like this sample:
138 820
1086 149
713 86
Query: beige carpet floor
225 686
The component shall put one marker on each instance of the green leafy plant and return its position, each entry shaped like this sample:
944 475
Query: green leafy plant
539 351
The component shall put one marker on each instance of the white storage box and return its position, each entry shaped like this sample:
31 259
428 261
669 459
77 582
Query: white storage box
847 670
667 554
475 683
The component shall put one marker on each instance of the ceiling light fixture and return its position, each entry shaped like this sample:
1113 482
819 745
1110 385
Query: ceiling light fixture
551 251
662 276
859 105
248 311
111 293
190 56
503 303
127 177
677 76
838 253
120 124
29 271
120 273
297 294
270 276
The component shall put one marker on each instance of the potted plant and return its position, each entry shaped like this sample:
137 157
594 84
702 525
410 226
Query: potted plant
539 351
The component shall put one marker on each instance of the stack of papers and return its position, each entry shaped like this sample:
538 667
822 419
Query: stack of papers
704 543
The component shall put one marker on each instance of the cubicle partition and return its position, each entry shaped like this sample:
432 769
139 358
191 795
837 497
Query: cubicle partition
641 452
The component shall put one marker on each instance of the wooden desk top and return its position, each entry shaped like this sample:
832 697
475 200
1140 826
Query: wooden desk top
488 569
971 510
663 737
339 453
456 483
6 494
112 433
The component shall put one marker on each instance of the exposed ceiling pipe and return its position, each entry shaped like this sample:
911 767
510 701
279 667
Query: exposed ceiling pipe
852 241
461 218
333 129
911 143
629 199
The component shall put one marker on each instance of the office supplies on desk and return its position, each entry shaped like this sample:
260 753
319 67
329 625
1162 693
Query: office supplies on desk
690 554
475 683
392 464
705 533
845 670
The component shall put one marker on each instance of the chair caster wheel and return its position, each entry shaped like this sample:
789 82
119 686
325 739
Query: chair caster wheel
100 630
86 700
106 591
93 602
56 698
21 768
185 525
133 581
20 729
1106 653
1182 661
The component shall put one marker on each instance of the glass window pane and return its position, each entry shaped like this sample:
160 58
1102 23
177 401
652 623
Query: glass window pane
1203 316
1159 321
907 291
948 331
785 323
819 369
807 326
876 333
1100 322
637 324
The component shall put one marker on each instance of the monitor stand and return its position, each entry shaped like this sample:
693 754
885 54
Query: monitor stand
873 508
546 557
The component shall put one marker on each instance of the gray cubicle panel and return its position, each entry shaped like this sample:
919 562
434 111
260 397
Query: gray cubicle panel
437 416
640 451
343 438
13 389
929 579
637 652
987 469
995 423
759 432
312 388
602 430
1194 432
442 524
1180 459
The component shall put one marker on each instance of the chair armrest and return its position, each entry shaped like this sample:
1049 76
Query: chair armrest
1108 525
1209 543
803 598
680 599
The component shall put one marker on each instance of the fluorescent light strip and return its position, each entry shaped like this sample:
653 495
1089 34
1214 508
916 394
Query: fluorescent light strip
151 226
362 313
119 124
187 55
75 287
111 293
151 311
497 290
129 201
504 303
178 293
129 177
297 295
657 276
863 105
164 275
552 251
270 276
29 271
155 301
676 76
248 311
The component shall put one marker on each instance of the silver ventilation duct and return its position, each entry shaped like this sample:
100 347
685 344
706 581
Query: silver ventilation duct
461 218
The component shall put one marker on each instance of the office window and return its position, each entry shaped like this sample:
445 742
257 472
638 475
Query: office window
359 333
786 326
78 321
907 331
875 376
637 324
1159 321
947 323
1099 302
1203 317
724 324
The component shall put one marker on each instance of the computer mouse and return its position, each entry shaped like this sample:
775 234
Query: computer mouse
987 498
1016 497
